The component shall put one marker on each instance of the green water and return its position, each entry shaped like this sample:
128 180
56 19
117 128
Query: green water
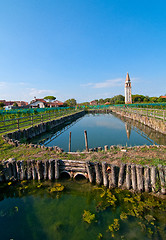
31 211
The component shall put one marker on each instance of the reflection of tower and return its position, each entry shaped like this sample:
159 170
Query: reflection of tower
128 129
128 98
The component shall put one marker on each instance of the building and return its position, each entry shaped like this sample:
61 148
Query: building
128 98
38 103
93 103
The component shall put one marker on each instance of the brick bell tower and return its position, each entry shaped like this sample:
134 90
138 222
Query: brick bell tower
128 98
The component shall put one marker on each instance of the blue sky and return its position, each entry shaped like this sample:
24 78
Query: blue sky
81 49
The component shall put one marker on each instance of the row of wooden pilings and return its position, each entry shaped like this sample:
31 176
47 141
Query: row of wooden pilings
127 176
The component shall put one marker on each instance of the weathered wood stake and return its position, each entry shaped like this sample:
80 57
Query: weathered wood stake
90 172
98 174
104 172
147 182
153 178
140 185
70 142
162 180
121 175
133 177
86 141
57 169
128 176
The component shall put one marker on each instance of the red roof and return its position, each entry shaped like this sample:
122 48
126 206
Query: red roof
162 96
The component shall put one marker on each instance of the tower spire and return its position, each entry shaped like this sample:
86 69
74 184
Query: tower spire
128 98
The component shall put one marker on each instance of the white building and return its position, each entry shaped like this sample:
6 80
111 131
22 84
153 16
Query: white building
128 98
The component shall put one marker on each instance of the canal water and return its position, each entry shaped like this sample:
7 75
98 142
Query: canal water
102 129
77 210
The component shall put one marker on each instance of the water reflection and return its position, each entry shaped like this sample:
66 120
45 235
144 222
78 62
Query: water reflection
102 129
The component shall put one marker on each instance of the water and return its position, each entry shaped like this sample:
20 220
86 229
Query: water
102 129
30 211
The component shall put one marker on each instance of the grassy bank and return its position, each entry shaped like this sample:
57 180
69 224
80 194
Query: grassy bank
142 155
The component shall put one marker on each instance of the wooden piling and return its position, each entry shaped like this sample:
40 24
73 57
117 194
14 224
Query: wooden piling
153 178
29 170
34 172
51 170
14 170
139 171
133 177
70 142
147 182
98 174
90 172
162 180
46 166
57 169
106 148
40 170
112 177
18 170
105 175
86 140
121 175
128 176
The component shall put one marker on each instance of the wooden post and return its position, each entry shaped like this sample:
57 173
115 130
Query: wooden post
18 127
90 172
163 115
86 141
133 177
162 180
139 170
40 170
32 120
153 178
29 170
104 172
106 148
98 174
121 175
112 177
128 176
70 142
57 169
18 170
51 170
46 165
147 179
34 173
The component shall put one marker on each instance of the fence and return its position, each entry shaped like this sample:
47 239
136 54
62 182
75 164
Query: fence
153 113
31 120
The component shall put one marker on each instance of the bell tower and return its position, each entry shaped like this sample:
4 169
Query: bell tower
128 98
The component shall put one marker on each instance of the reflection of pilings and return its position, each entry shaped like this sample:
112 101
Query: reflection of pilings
134 177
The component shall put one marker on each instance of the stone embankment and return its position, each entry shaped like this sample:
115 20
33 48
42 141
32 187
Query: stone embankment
156 124
127 176
16 137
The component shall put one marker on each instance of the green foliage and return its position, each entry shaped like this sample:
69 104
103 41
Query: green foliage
114 227
50 98
2 104
70 102
88 217
57 188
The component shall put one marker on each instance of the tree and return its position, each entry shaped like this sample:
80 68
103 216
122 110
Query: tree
2 104
70 102
15 104
50 98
